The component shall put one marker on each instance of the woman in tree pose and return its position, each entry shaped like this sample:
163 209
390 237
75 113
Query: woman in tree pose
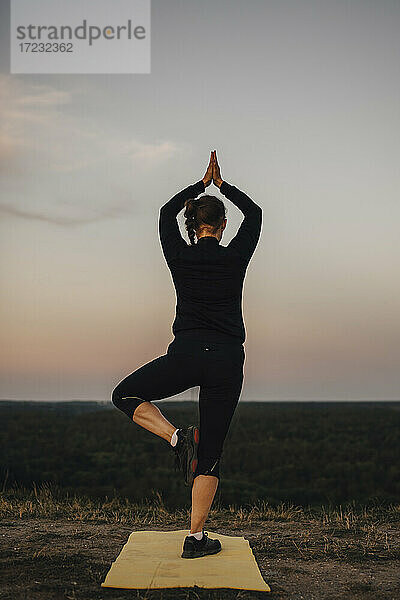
207 349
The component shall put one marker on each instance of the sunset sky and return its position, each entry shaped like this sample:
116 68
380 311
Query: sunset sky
301 101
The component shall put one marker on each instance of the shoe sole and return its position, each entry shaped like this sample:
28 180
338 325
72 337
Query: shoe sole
193 440
199 554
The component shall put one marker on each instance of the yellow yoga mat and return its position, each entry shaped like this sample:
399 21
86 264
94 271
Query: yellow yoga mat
152 559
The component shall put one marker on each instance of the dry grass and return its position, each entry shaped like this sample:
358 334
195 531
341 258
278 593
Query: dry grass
48 501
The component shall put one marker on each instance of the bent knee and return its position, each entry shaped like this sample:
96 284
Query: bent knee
127 404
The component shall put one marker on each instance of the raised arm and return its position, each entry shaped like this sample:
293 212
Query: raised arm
170 237
245 241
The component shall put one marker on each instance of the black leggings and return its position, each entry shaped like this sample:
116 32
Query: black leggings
217 367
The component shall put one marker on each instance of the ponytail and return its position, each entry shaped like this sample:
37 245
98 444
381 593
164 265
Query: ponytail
190 223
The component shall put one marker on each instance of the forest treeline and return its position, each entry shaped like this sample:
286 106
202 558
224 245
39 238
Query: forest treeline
306 453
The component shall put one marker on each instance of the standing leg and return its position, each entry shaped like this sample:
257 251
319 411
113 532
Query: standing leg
219 396
203 492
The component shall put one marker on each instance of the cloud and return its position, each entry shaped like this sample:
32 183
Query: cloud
8 147
45 96
155 152
60 166
64 219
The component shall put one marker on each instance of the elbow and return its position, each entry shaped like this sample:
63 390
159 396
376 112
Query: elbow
253 210
259 215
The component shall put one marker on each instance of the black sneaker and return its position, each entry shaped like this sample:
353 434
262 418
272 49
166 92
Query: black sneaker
186 452
194 548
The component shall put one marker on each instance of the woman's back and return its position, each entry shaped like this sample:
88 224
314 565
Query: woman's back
208 276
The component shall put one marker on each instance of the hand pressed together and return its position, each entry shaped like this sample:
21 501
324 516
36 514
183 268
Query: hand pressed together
213 172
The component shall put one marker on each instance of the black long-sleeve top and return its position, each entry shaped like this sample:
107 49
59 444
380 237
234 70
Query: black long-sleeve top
208 277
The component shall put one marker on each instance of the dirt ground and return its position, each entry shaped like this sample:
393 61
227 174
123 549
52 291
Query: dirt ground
43 559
